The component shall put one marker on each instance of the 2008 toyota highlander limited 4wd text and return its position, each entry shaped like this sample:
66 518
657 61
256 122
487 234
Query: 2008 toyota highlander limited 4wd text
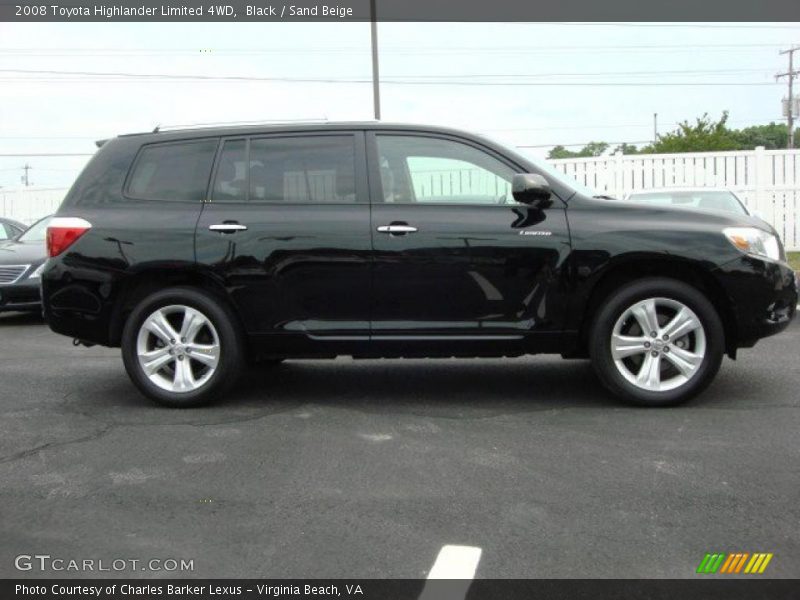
198 251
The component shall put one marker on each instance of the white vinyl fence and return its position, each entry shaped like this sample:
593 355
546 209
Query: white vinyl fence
31 203
767 181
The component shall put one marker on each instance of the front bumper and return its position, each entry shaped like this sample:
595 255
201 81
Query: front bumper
23 296
763 297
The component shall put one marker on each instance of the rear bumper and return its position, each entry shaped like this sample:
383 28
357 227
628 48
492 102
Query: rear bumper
77 302
763 297
24 296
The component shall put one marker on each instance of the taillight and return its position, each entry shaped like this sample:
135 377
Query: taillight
62 233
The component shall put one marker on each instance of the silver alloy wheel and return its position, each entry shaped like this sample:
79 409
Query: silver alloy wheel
658 344
178 348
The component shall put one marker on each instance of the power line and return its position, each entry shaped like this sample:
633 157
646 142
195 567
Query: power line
416 50
581 144
431 83
114 76
588 74
554 126
360 48
750 123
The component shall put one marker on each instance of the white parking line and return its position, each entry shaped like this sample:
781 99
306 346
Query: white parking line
453 562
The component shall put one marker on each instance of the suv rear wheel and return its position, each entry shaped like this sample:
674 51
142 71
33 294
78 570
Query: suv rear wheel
181 348
657 342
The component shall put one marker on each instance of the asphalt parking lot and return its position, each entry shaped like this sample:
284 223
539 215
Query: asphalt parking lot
367 468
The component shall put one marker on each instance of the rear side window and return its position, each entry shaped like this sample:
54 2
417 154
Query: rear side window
174 171
307 169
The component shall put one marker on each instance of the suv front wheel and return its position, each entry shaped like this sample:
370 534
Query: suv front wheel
657 342
181 348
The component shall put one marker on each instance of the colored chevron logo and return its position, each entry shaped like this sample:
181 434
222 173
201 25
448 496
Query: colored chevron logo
734 563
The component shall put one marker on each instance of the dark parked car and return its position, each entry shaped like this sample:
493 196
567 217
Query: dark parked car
9 229
21 263
198 250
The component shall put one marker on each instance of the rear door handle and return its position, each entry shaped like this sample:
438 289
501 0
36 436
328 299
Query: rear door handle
228 227
397 229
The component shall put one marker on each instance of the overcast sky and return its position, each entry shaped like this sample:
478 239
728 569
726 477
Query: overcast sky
625 72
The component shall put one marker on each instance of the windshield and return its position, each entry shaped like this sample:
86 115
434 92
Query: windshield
36 232
704 200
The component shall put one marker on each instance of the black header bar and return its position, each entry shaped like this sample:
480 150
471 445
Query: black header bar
400 10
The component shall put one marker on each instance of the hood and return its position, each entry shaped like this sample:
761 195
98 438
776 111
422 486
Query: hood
721 217
22 253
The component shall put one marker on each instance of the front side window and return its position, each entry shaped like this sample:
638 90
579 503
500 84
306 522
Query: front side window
433 170
173 171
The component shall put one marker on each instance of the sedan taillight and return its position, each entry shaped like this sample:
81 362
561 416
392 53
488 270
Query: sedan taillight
62 233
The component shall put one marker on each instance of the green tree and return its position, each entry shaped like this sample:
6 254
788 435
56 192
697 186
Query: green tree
561 152
590 149
594 149
626 149
774 136
705 135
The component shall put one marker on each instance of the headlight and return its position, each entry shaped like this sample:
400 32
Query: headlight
38 272
754 241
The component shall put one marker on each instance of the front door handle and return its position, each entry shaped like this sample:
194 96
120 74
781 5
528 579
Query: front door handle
228 227
397 229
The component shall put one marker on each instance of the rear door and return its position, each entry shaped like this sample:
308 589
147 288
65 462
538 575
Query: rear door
456 258
286 231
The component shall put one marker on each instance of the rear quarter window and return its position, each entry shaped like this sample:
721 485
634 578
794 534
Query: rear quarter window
172 171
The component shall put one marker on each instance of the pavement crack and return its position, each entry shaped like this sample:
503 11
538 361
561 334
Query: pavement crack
50 445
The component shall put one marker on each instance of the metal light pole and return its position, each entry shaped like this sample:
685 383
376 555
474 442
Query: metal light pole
376 92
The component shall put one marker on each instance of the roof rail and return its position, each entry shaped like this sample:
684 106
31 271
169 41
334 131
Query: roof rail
160 127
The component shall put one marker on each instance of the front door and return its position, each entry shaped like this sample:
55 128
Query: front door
456 258
286 230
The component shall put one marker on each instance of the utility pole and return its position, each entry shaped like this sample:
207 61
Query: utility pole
25 179
376 93
655 128
790 75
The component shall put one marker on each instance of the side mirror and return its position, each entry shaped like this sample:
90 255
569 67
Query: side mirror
531 189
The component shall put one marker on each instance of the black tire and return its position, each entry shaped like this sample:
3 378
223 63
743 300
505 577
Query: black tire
613 309
231 354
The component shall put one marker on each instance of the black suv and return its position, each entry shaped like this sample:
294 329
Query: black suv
198 251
